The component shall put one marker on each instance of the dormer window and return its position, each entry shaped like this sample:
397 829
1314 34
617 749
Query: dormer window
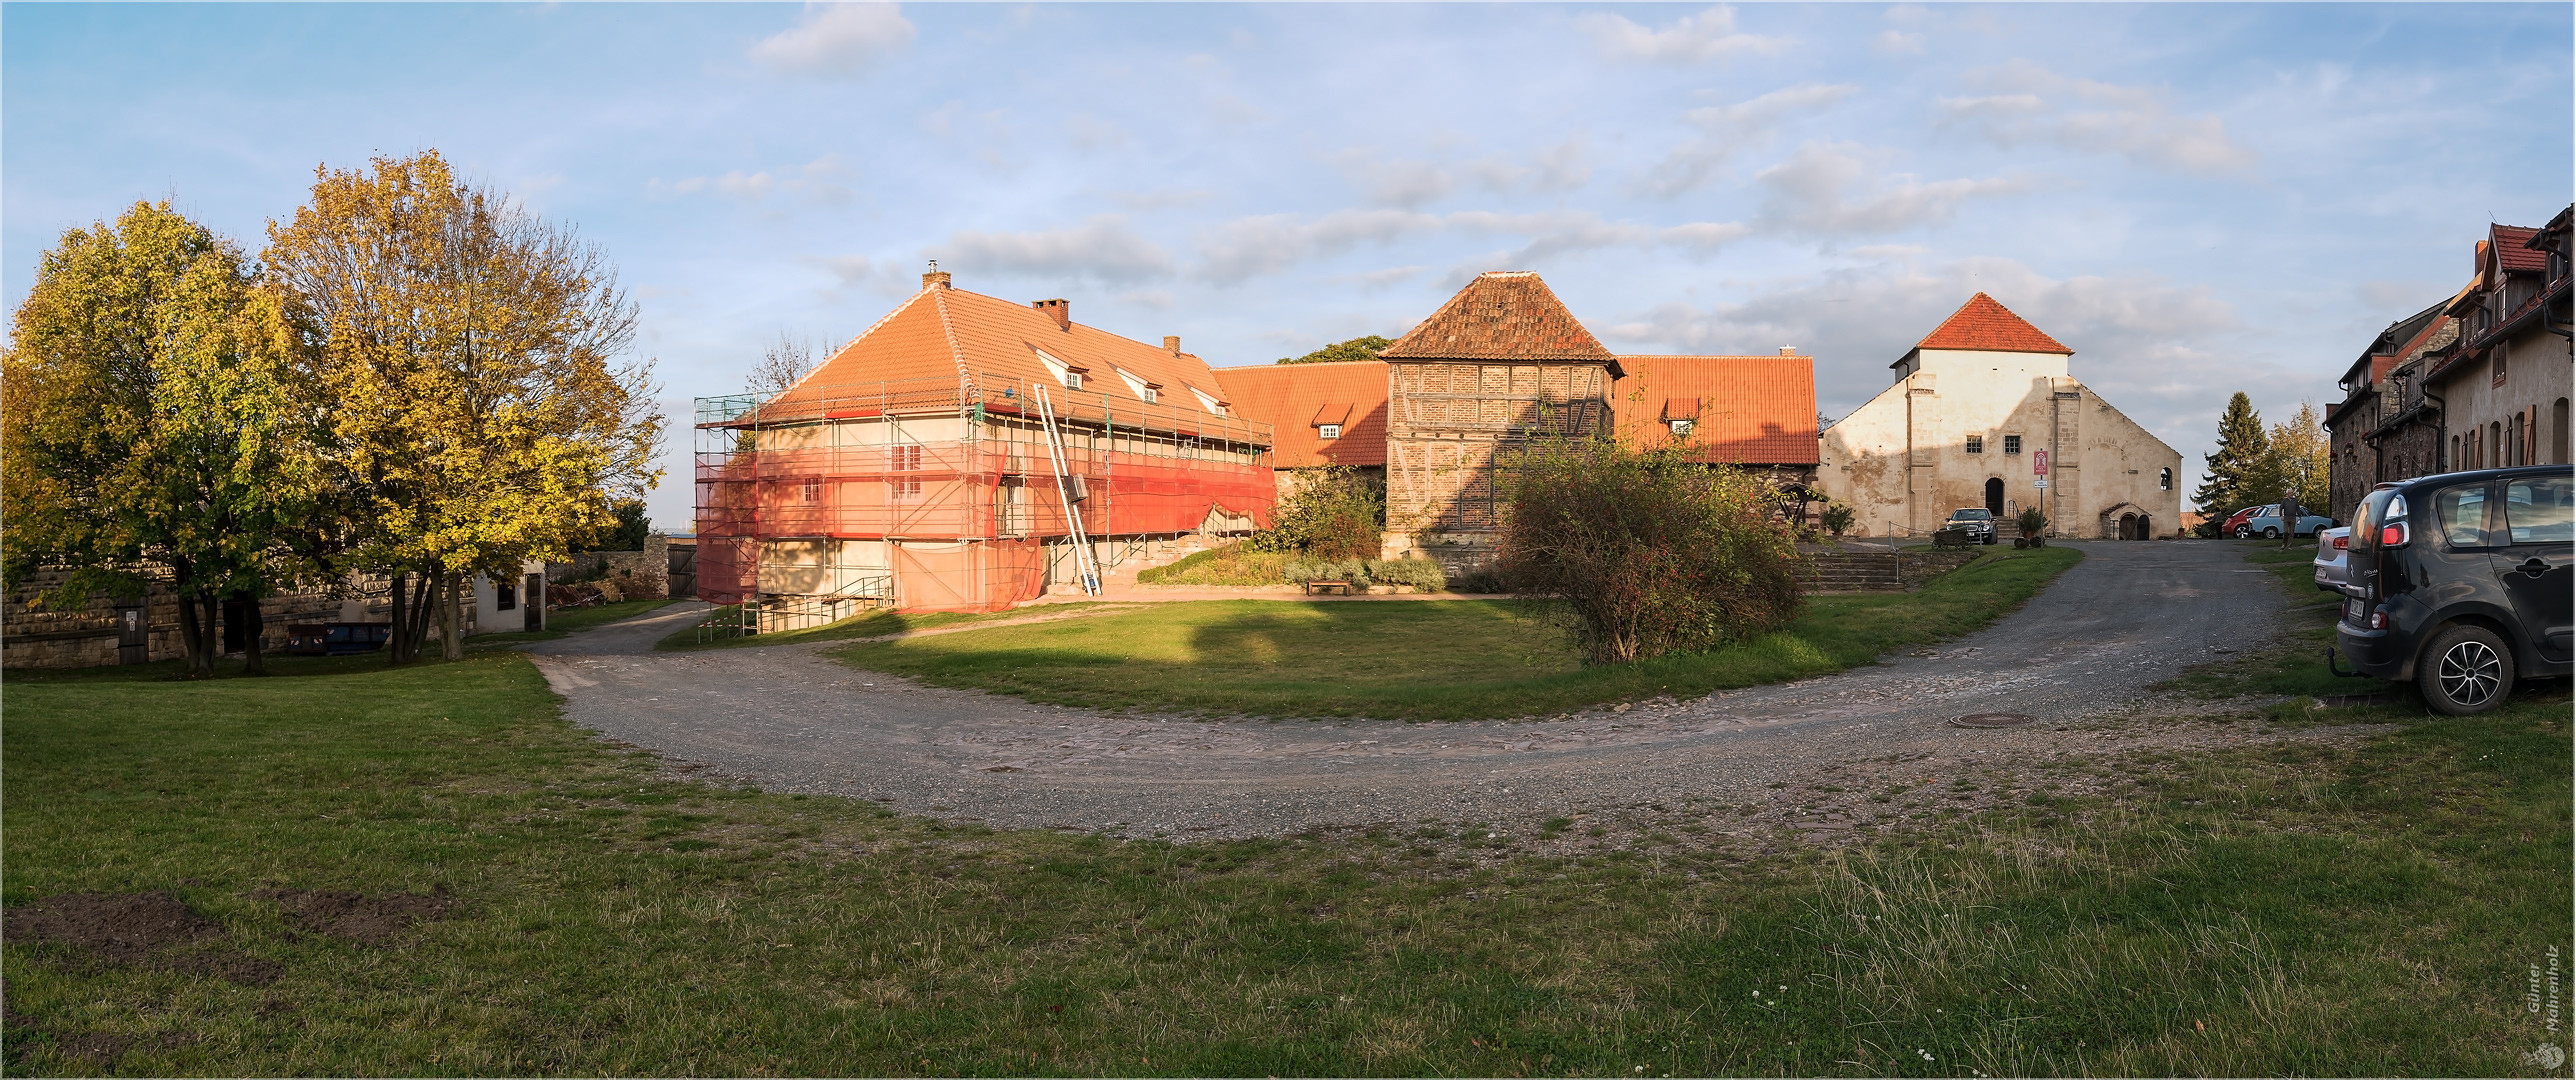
1064 373
1072 380
1681 428
1213 406
1330 431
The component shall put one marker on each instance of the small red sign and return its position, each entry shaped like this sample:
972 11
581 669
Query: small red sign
2038 463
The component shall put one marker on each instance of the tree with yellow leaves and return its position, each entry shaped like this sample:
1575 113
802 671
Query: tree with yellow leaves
481 413
152 426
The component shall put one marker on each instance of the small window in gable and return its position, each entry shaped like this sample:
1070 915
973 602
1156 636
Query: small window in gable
1331 431
1212 405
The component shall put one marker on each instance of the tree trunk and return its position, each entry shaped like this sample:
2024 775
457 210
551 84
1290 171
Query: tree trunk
398 636
189 632
452 618
254 623
424 607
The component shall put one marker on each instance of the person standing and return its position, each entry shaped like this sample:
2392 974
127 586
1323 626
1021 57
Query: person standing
2290 512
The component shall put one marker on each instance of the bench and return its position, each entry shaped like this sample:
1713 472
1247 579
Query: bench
1315 587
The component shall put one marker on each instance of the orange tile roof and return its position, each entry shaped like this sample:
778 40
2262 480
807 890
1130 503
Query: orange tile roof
2512 248
1753 410
942 331
1984 325
1296 398
1502 315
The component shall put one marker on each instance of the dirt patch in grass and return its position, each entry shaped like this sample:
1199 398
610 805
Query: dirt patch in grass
97 1049
357 917
124 927
141 929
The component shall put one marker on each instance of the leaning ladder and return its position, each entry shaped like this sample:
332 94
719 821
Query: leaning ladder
1083 563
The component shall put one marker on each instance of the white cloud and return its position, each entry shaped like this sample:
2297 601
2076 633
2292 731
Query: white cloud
1552 233
1708 35
1896 43
1725 130
1392 275
880 277
1828 189
1564 166
1105 248
2027 103
1154 299
1161 198
824 179
1395 181
1269 243
837 40
1706 237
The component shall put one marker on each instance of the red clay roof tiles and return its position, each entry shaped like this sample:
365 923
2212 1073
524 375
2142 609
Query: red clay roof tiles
1297 399
1503 315
1753 410
1984 325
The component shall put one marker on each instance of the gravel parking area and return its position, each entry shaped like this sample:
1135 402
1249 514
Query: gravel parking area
2078 659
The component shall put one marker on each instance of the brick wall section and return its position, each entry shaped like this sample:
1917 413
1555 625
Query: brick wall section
1873 571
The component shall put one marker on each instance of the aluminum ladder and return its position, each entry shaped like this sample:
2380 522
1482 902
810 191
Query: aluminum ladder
1083 562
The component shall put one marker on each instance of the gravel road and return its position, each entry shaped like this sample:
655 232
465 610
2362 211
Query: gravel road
2078 658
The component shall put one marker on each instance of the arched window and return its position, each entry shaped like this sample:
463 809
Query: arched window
2164 480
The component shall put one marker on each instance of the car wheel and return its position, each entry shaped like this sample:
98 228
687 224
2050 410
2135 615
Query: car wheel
2269 533
2466 671
2242 531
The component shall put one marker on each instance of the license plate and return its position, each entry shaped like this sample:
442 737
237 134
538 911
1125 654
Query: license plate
2354 610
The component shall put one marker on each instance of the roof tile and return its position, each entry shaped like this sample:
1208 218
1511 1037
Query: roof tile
1754 410
1296 399
1984 325
1502 315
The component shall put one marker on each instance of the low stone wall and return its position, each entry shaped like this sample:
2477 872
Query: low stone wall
85 636
640 575
1917 566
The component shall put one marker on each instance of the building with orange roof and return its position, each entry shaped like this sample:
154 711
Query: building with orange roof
1321 415
1985 414
1753 411
964 454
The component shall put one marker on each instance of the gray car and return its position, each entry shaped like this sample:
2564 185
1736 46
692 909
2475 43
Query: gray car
1978 521
2333 557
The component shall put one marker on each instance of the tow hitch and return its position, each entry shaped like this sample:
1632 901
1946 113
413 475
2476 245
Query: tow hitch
2333 664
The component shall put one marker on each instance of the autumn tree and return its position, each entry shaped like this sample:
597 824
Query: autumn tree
2235 476
481 412
152 425
2299 461
782 364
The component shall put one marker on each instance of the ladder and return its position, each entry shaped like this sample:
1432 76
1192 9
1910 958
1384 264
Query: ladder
1083 562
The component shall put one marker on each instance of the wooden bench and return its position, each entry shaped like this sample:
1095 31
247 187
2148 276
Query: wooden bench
1314 587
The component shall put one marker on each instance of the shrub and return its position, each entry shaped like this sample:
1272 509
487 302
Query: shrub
1422 574
2034 525
1483 580
1648 552
1232 564
1339 513
1300 570
1838 517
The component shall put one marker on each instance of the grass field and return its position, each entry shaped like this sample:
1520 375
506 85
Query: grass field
2357 906
872 624
1445 660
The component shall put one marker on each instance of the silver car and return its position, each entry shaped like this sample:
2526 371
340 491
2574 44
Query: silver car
2333 552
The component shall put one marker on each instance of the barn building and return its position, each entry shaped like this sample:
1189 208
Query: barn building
1984 412
967 453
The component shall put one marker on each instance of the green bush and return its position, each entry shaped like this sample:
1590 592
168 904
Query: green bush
1339 513
1481 581
1837 517
1422 574
1300 570
1232 564
1649 552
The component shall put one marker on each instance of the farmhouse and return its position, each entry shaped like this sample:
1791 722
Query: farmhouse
964 454
1984 413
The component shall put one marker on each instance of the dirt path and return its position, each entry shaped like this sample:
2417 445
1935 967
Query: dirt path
2078 658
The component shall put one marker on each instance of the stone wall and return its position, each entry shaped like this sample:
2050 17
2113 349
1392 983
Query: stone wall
640 575
85 636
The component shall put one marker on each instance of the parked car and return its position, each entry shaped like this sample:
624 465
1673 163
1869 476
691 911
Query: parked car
1978 521
2463 583
2227 527
2333 554
2266 524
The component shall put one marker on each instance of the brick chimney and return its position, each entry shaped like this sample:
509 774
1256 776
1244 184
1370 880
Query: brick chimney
1788 350
1063 312
936 278
1171 344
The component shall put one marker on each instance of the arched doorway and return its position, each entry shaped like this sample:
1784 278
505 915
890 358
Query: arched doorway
2145 527
2127 526
1994 496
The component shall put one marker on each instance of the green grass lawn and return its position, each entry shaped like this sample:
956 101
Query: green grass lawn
870 624
1445 660
2359 907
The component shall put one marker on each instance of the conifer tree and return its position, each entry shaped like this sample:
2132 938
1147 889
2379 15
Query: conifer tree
2236 470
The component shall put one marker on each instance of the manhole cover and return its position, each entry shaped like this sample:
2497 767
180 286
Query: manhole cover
1992 719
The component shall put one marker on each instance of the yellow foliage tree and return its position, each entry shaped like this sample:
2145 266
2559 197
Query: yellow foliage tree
151 425
481 413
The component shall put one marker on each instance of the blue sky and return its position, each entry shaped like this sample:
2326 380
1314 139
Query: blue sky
2197 198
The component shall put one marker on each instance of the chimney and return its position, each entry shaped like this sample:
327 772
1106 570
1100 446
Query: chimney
1788 350
936 278
1063 313
1171 344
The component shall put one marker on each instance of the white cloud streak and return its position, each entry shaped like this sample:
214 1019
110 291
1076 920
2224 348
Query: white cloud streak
1105 248
1726 130
837 40
1695 39
2026 103
1828 190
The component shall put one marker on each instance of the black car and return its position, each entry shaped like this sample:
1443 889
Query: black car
2463 582
1978 521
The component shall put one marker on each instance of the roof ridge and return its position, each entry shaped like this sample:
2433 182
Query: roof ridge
1983 324
948 328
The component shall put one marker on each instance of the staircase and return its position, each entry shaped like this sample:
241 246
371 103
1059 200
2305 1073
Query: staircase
1853 571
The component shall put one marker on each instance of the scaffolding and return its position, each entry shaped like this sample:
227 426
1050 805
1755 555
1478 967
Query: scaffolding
955 494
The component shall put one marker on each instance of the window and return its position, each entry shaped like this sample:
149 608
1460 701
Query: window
811 491
1332 431
505 597
2540 510
1682 428
1142 388
1213 406
1975 444
2461 513
904 459
2164 480
2011 444
1072 380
